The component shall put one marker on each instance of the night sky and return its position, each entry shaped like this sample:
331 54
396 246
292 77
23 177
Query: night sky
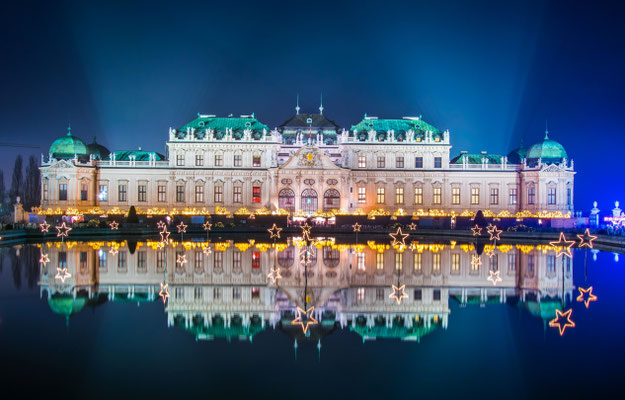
490 72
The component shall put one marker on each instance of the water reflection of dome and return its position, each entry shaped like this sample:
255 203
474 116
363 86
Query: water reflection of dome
66 304
544 309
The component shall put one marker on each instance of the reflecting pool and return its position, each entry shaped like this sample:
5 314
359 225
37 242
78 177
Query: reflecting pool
238 317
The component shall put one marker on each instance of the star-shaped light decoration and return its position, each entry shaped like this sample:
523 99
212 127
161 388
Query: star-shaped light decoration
399 238
165 235
114 250
563 246
305 257
161 225
207 250
44 259
306 228
412 226
495 234
182 228
586 296
114 225
274 274
490 253
562 321
399 293
181 259
164 292
207 226
476 261
356 227
62 230
62 274
477 231
494 277
585 239
274 232
305 318
44 226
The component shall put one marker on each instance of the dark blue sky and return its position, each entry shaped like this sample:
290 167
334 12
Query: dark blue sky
490 72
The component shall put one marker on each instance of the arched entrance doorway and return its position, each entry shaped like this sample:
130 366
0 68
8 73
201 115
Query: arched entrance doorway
286 200
309 201
331 200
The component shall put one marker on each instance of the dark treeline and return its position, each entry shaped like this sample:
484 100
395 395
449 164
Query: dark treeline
24 261
25 184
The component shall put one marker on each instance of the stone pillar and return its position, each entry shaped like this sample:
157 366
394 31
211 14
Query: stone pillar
19 215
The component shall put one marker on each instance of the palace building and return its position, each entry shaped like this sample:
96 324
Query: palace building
306 166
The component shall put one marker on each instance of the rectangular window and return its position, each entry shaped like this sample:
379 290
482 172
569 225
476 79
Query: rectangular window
217 293
219 160
219 194
380 197
179 293
417 263
362 162
44 193
256 161
198 262
399 195
455 195
438 162
199 194
531 195
121 192
418 295
475 196
160 261
361 262
379 294
256 194
436 263
381 162
512 196
142 261
197 293
84 191
494 195
162 193
236 261
399 261
437 197
122 261
237 160
180 160
102 260
399 162
455 263
62 191
569 197
236 293
218 260
551 196
237 194
199 160
360 295
379 261
62 259
142 192
362 194
530 265
494 262
103 193
83 262
551 264
180 193
418 195
436 295
418 162
511 262
256 260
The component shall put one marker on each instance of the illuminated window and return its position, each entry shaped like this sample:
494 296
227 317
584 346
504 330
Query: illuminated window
379 261
162 193
455 195
399 162
399 261
418 162
255 293
436 263
531 195
62 191
381 162
380 193
180 193
219 160
256 161
475 195
142 193
219 194
199 193
237 194
512 196
236 262
437 196
360 295
417 263
255 260
103 193
84 191
551 196
438 162
399 195
362 162
455 263
362 194
121 192
237 160
418 195
180 160
494 195
256 194
361 262
102 259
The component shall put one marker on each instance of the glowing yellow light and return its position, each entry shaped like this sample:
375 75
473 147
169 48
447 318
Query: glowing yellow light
494 277
586 296
399 238
562 321
586 239
399 293
164 292
477 231
563 246
274 232
44 226
44 259
207 226
495 234
114 225
62 230
274 274
62 274
476 261
182 228
356 227
307 320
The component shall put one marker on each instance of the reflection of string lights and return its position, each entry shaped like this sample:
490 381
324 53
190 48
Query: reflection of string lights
477 231
63 230
563 246
62 274
305 318
490 252
44 226
305 257
164 292
114 225
399 293
562 321
165 235
476 261
356 227
181 259
412 226
207 226
44 259
182 228
399 238
495 234
586 296
274 232
207 250
306 229
494 277
274 275
586 239
161 225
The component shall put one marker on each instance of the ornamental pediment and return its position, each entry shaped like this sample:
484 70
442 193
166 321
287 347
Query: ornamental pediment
62 164
551 168
309 157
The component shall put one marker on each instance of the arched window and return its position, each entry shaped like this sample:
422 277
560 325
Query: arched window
285 257
331 200
331 257
309 201
286 200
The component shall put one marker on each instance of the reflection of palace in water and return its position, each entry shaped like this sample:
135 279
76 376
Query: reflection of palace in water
222 289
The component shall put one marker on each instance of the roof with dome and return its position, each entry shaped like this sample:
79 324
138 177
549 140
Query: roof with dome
68 146
548 150
219 125
399 126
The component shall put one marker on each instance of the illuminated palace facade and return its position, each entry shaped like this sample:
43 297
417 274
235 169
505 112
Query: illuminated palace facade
305 166
226 293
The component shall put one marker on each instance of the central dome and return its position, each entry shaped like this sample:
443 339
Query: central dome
548 151
68 146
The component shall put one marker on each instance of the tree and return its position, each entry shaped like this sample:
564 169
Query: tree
17 180
2 193
32 190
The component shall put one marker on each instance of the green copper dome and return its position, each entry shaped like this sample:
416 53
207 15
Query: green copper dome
68 146
516 155
548 150
97 150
